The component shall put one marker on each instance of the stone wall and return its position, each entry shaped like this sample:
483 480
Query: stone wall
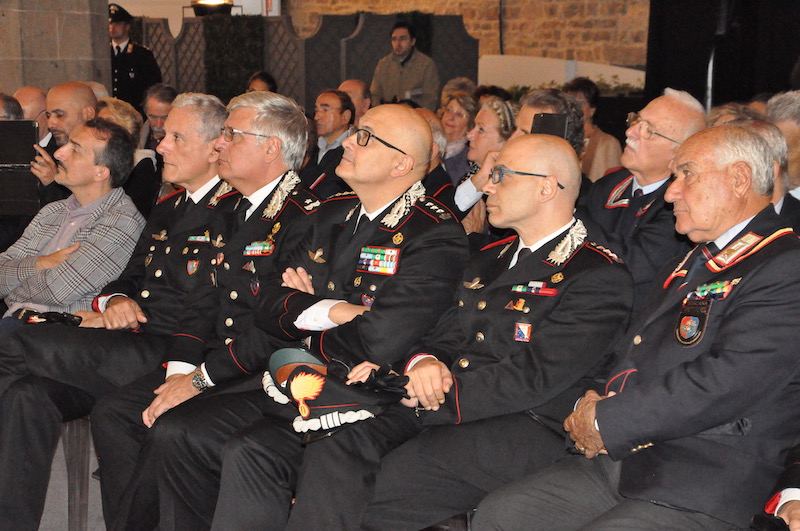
600 31
47 42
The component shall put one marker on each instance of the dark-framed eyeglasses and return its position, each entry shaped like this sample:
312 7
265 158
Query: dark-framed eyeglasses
645 128
363 136
498 172
229 133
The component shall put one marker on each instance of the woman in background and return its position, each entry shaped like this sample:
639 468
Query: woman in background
143 183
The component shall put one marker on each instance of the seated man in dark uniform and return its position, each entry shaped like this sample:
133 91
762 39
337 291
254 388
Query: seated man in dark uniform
628 204
692 428
263 138
506 363
352 309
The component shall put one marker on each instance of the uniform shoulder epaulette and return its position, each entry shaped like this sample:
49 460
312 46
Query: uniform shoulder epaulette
340 196
224 191
173 194
435 208
607 252
500 242
305 199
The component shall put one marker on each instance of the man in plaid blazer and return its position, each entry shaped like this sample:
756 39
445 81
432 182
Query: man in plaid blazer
74 247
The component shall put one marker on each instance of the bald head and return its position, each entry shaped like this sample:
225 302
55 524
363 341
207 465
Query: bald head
68 106
32 100
387 156
413 136
551 155
538 182
359 95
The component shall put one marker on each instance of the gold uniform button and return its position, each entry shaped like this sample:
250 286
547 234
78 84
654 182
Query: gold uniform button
234 295
226 265
229 322
167 250
460 304
158 273
213 261
481 305
331 286
152 247
228 340
145 293
195 251
479 336
463 363
637 340
373 287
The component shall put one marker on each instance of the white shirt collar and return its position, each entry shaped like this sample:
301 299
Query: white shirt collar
324 147
726 237
258 197
46 139
646 189
201 192
539 244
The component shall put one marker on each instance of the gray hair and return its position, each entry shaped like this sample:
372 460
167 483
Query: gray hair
280 117
784 106
740 142
685 98
692 124
777 143
209 110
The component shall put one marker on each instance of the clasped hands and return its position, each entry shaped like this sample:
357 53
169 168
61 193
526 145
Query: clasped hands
428 381
580 425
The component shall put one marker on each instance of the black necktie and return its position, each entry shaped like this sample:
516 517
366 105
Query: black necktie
363 221
700 258
118 50
521 255
241 212
638 193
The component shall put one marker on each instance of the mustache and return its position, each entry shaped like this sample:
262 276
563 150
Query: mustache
60 164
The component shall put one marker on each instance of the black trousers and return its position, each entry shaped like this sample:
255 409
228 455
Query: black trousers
119 434
48 374
579 493
331 479
31 413
448 470
187 445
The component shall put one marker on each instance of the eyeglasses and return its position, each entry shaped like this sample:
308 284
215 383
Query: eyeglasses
229 133
456 112
363 136
645 128
498 172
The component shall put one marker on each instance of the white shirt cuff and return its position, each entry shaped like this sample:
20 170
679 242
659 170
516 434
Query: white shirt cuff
209 381
102 302
416 359
466 195
787 495
178 367
315 318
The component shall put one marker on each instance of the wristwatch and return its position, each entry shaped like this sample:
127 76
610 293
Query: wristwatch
198 380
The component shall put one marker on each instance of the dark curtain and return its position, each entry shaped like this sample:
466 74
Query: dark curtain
756 46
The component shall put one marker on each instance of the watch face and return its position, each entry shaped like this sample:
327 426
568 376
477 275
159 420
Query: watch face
199 382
